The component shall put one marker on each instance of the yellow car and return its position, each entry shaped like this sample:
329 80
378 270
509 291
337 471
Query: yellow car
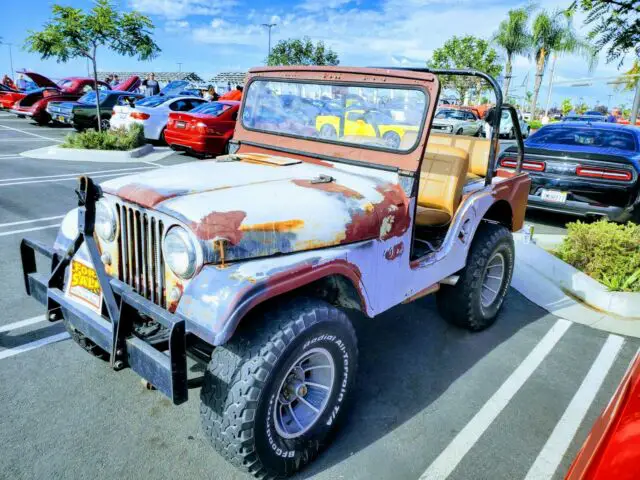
365 123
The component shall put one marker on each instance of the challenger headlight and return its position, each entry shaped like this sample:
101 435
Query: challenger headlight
106 221
181 252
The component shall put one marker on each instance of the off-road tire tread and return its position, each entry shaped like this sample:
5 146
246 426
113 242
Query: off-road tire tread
239 370
455 303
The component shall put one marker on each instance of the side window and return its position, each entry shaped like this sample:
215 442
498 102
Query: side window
471 117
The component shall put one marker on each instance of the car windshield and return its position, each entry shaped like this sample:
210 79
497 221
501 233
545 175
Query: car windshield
65 83
451 114
343 114
214 108
581 136
151 101
91 97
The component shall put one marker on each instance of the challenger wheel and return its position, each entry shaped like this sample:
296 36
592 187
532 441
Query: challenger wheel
459 131
391 140
474 302
327 131
272 396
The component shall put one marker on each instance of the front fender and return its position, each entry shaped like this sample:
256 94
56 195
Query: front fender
216 300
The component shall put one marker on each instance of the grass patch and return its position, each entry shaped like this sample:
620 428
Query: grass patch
121 139
606 251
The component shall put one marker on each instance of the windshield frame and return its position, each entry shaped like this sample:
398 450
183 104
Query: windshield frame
363 84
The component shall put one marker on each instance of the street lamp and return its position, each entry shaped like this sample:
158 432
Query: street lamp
179 66
269 26
10 57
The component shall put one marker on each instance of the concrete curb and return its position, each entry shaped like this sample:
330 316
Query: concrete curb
569 293
55 152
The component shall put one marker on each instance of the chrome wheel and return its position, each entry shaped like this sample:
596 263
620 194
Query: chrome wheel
105 124
304 393
493 279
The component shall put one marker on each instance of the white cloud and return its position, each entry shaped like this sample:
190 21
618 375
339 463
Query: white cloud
319 5
176 25
176 9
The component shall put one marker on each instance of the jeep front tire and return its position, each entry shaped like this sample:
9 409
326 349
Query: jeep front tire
272 396
474 302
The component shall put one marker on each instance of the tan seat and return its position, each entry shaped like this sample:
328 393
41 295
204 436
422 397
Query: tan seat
477 148
442 178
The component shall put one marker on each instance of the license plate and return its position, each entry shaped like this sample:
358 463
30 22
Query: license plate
61 119
180 124
84 285
554 196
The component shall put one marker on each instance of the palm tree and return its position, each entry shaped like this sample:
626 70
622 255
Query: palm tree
514 38
553 34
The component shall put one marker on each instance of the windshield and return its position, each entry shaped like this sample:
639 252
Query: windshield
336 113
454 114
91 97
581 136
151 101
214 108
65 83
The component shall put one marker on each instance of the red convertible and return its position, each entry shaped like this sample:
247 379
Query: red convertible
205 130
34 103
612 449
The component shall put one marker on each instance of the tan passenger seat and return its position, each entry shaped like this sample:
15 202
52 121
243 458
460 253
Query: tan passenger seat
442 178
477 148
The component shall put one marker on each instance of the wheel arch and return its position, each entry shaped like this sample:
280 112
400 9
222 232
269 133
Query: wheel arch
500 212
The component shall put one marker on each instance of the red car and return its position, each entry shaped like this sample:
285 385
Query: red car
612 449
34 103
205 130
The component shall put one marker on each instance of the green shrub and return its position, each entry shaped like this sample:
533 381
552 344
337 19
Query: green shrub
119 139
535 124
608 252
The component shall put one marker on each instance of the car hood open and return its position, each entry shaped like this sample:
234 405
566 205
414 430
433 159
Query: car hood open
258 205
131 84
40 80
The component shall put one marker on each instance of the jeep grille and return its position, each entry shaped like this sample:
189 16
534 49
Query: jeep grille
141 264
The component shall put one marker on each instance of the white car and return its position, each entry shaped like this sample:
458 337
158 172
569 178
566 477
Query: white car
153 113
457 122
506 126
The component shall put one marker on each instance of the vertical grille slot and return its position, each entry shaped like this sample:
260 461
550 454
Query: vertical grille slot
141 264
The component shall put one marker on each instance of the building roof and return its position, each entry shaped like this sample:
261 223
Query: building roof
233 78
162 77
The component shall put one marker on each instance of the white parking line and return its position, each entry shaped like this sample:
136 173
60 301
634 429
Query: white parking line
451 456
35 220
58 180
128 169
27 139
22 323
25 230
10 352
551 455
29 133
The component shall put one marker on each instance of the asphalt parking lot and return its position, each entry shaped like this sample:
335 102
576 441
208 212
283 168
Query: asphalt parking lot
432 401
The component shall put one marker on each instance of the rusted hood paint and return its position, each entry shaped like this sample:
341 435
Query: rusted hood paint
243 209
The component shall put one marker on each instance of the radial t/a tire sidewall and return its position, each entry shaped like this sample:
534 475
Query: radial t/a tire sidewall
278 454
506 248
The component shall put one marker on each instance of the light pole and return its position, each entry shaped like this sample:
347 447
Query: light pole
269 26
179 66
10 57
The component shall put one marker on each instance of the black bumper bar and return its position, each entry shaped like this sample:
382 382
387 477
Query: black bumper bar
166 368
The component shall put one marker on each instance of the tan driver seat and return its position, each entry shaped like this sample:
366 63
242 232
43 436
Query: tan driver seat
442 178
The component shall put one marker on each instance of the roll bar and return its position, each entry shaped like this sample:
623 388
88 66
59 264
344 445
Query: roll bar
500 106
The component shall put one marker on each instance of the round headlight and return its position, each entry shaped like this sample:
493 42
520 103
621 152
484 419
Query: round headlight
180 252
106 221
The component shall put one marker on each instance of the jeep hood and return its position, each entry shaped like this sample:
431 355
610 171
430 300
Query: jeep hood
257 205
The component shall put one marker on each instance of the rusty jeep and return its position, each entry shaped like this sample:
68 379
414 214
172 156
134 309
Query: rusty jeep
335 196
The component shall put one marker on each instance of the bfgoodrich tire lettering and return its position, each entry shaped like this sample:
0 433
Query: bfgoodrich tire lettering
462 304
244 378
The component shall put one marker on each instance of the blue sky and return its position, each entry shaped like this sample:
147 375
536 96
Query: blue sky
209 36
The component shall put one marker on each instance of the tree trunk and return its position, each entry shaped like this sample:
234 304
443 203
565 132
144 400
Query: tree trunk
536 88
553 67
95 86
507 79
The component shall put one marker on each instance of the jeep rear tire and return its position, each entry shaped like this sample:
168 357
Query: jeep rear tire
273 395
474 302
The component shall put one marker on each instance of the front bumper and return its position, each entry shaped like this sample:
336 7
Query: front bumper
582 209
26 113
163 365
65 118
